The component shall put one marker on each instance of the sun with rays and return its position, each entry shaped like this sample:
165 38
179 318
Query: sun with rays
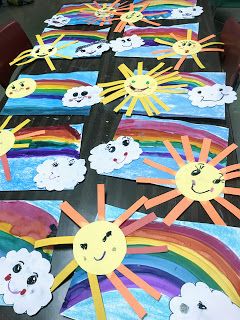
42 51
186 47
196 181
99 248
8 141
141 87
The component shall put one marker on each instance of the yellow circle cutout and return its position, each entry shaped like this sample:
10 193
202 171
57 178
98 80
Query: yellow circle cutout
43 51
187 47
200 181
104 12
7 140
131 16
99 247
140 85
21 88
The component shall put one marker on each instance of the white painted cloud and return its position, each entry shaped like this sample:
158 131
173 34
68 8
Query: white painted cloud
186 13
199 302
211 96
57 21
94 49
60 173
113 155
82 96
25 281
126 43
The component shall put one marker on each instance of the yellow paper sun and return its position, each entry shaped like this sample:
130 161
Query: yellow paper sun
43 51
8 141
196 181
142 87
100 247
186 47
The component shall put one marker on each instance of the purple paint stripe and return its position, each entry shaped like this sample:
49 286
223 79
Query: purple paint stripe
43 153
44 96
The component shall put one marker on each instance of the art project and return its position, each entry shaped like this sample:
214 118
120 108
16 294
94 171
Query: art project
196 179
186 13
190 259
142 87
47 158
58 21
43 50
102 255
146 136
55 93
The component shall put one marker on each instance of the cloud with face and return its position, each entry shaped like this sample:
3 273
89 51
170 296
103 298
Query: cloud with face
92 49
113 155
82 96
59 174
25 281
186 13
126 43
58 21
211 96
198 301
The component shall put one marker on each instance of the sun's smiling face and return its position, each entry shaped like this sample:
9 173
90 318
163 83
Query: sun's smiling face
99 247
7 140
21 88
140 85
187 47
131 16
43 51
200 181
104 12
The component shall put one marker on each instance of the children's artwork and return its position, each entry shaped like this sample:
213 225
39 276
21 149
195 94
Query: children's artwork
140 86
58 21
148 134
147 35
186 13
55 93
46 158
196 179
126 43
103 254
197 252
43 50
187 47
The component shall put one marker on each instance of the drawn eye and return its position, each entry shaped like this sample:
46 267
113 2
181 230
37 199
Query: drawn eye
17 268
99 47
83 50
50 49
221 89
147 82
126 142
112 149
38 50
196 172
75 94
189 44
199 92
108 234
123 40
71 162
84 93
180 11
84 246
32 279
128 39
133 81
13 87
21 84
201 306
194 9
55 164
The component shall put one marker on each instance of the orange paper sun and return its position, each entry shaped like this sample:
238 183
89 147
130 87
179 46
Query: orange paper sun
196 181
99 248
186 47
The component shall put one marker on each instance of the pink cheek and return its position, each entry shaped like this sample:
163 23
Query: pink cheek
8 277
10 93
23 292
115 160
125 154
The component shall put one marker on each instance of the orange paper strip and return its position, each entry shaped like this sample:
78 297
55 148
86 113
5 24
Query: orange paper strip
233 191
162 198
73 214
223 154
205 150
138 224
6 167
177 211
174 153
213 214
187 149
231 168
145 250
101 201
232 175
229 206
159 166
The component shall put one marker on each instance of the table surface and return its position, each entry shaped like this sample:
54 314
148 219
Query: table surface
100 127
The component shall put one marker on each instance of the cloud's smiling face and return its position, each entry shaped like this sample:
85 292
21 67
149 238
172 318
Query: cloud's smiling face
211 96
7 140
82 96
43 51
113 155
102 253
61 173
198 301
25 281
186 13
140 85
126 43
200 181
187 47
131 16
91 50
58 21
21 88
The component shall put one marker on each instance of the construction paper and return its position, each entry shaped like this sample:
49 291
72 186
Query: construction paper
150 134
148 34
190 259
21 88
126 43
58 21
58 145
55 94
186 13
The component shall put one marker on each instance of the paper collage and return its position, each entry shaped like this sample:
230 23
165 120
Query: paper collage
190 260
56 93
49 161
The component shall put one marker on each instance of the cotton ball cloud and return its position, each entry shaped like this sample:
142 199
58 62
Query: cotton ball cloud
94 49
58 21
59 174
186 13
25 281
126 43
82 96
198 301
113 155
211 96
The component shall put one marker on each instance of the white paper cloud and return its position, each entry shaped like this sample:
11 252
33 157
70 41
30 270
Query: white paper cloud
211 96
61 173
113 155
199 302
82 96
94 49
186 13
57 21
126 43
25 281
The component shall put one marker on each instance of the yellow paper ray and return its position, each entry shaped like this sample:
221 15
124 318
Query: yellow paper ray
18 58
57 40
26 62
131 106
53 241
173 86
119 107
168 55
125 71
114 96
160 102
40 40
97 297
140 68
166 80
24 52
109 84
91 7
161 72
198 62
4 124
166 76
64 274
113 88
155 109
146 107
20 126
159 66
172 91
211 43
50 64
67 45
22 145
189 34
62 56
163 42
174 36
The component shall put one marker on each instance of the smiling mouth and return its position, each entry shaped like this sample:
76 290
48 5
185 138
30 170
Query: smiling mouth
118 162
42 55
138 90
13 292
103 255
202 192
52 176
214 100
